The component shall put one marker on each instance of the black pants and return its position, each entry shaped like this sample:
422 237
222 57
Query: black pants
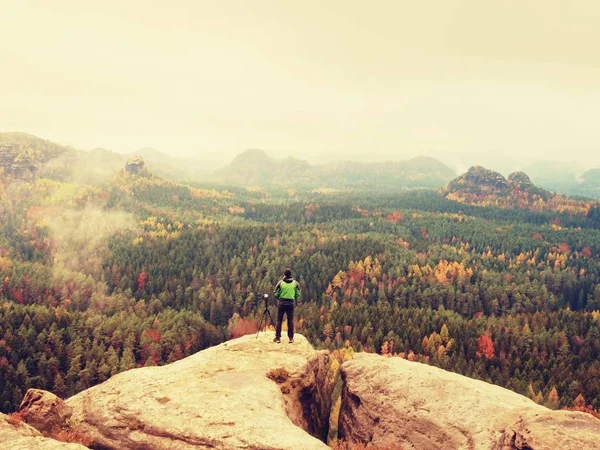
287 308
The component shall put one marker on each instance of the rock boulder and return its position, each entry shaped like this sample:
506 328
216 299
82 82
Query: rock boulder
44 411
401 404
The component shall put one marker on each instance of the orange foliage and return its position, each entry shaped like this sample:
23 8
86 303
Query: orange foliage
403 243
310 210
395 217
485 346
153 334
242 327
141 281
579 405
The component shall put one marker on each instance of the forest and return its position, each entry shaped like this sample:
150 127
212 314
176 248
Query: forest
97 279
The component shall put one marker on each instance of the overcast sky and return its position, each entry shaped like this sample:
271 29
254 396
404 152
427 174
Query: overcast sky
460 80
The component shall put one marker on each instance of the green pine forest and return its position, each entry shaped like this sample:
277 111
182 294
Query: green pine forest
100 278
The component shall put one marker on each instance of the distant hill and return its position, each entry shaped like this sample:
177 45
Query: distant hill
256 167
22 154
25 156
484 187
591 178
572 178
176 169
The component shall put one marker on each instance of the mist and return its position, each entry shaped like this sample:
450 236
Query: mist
348 81
79 236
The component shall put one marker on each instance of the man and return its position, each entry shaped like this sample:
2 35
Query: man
287 293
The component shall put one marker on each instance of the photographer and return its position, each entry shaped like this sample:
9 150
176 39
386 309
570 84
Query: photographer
287 293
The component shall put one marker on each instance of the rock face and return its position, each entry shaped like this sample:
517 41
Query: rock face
394 402
15 435
44 411
521 180
479 180
17 166
135 165
246 393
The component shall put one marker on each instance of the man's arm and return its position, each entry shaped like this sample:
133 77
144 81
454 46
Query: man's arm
297 292
277 291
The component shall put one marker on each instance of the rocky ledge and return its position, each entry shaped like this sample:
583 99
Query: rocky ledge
394 403
251 393
16 435
246 393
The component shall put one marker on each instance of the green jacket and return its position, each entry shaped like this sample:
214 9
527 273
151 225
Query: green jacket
287 289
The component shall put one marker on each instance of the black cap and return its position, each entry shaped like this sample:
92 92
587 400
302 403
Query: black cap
287 273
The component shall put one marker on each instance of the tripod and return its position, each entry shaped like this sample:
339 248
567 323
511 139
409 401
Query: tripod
266 313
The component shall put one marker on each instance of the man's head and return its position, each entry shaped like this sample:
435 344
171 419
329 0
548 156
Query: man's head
287 273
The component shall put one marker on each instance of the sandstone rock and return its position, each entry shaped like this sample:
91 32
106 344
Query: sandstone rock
44 411
16 165
391 401
521 180
135 165
16 435
223 397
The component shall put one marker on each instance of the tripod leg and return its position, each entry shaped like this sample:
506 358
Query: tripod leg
260 325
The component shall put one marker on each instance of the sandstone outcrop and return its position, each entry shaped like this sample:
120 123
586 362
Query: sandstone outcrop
16 435
19 166
479 180
246 393
401 404
520 180
44 411
135 165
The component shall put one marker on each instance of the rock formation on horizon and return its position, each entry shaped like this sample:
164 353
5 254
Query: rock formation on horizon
15 165
135 165
482 187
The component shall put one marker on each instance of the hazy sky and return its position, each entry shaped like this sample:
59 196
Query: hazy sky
371 79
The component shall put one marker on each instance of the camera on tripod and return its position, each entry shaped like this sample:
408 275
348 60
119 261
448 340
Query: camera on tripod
266 314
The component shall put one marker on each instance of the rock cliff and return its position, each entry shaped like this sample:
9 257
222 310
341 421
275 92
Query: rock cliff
254 394
394 402
520 180
20 166
246 393
479 180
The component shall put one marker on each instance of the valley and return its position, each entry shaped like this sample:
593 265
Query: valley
125 268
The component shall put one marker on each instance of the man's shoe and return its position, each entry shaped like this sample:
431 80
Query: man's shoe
291 341
277 340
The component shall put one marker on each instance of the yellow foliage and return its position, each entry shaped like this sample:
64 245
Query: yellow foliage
5 263
448 272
